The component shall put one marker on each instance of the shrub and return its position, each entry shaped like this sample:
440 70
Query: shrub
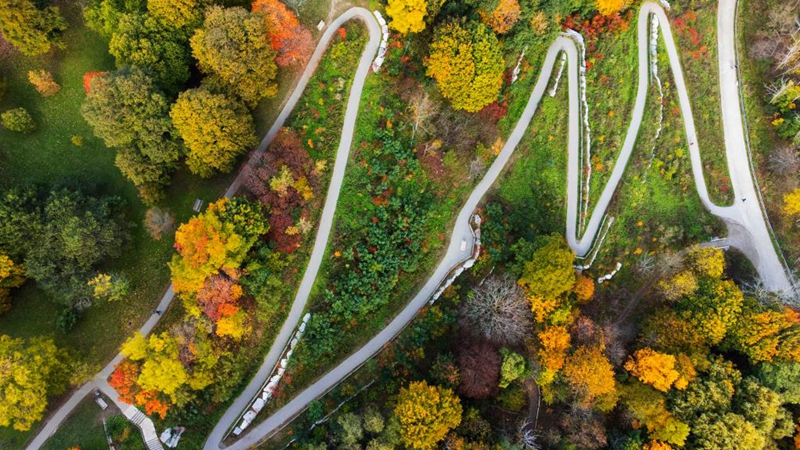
67 319
159 222
18 120
77 141
44 83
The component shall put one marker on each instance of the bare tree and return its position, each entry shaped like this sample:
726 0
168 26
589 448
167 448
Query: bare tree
159 222
498 311
785 161
527 436
422 108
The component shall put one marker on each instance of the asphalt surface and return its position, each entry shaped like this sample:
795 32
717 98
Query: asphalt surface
746 224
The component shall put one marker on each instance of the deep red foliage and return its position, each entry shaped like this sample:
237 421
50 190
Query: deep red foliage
288 207
479 363
87 80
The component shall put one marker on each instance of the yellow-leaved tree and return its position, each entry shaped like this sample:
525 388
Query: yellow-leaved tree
591 376
11 276
608 7
791 203
408 16
660 370
426 413
467 63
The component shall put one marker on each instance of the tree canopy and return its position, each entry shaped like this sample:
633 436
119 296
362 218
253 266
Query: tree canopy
292 41
467 64
232 48
215 128
31 30
29 373
426 414
407 16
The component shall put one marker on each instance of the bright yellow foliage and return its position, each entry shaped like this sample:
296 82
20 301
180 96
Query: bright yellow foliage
234 327
768 335
608 7
716 308
28 375
653 368
589 371
791 203
685 367
708 262
682 284
163 374
555 343
426 413
550 273
583 289
408 16
135 348
503 17
467 64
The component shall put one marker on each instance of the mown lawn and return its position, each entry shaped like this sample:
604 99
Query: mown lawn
84 427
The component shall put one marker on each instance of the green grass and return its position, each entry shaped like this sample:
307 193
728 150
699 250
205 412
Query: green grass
695 32
84 427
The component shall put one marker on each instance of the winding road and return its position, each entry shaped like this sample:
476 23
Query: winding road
747 229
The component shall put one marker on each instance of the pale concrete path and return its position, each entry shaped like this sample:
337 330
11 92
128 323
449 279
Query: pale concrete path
747 228
754 241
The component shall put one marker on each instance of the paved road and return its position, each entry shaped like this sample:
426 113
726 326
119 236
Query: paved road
746 225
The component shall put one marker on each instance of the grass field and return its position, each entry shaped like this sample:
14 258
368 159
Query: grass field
84 427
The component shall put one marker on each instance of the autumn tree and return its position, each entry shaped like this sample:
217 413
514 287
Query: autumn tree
285 178
659 370
109 287
479 368
11 276
791 203
555 342
31 30
590 375
503 17
44 83
232 48
513 368
407 16
767 333
727 431
215 240
128 111
714 309
103 16
18 120
141 40
426 413
648 407
215 128
609 7
292 41
29 373
467 64
782 378
498 311
178 13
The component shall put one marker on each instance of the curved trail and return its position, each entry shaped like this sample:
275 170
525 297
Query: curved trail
746 225
747 229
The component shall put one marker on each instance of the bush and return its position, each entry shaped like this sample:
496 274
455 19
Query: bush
44 83
18 120
67 319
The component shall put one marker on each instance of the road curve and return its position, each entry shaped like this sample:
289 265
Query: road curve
746 225
752 239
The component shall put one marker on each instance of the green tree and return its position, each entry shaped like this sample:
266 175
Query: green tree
373 420
128 111
759 406
714 309
467 63
19 120
783 378
215 128
103 16
31 30
513 367
232 47
178 13
29 373
141 40
711 392
426 414
550 272
63 238
350 429
726 431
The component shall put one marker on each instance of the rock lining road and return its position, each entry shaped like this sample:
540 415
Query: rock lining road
747 228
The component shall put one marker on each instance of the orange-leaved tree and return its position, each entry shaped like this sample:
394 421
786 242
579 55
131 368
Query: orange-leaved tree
591 376
660 370
291 40
503 17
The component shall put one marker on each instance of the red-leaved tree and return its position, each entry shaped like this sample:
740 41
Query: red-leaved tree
479 363
291 40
